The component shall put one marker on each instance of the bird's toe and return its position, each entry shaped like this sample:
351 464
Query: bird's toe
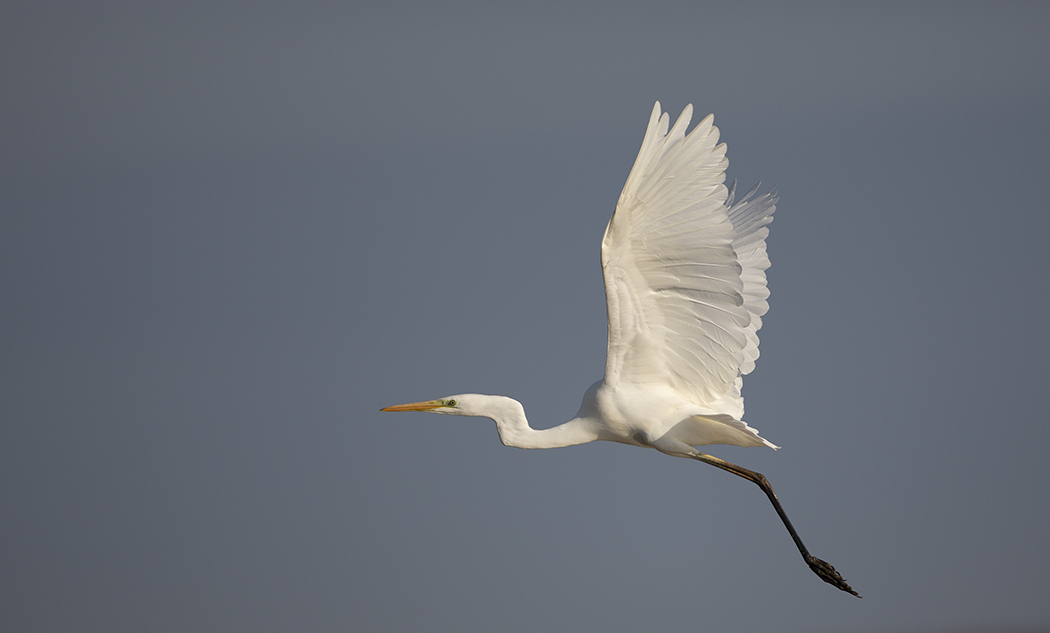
828 574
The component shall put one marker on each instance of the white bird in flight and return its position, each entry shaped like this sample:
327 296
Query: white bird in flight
685 285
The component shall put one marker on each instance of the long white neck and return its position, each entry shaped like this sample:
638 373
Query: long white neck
514 429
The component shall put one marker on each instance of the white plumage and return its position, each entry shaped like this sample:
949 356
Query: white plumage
685 281
685 286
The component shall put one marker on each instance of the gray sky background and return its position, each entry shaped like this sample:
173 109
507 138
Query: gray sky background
231 232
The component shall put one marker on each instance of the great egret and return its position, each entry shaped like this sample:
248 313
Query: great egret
685 286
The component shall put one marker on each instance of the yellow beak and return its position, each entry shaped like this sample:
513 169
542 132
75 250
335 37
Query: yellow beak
429 405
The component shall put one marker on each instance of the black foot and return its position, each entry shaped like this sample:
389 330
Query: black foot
828 574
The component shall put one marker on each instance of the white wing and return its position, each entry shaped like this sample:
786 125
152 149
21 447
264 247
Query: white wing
685 272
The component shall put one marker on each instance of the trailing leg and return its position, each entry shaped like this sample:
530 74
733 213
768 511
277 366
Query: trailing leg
826 572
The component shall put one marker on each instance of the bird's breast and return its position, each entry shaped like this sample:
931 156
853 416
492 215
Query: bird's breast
639 414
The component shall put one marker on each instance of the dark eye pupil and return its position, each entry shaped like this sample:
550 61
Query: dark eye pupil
451 403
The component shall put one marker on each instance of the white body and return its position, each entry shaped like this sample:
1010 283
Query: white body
685 285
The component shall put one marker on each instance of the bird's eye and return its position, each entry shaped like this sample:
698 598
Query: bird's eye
450 403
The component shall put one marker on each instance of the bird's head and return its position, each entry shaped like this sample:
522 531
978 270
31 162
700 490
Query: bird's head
471 404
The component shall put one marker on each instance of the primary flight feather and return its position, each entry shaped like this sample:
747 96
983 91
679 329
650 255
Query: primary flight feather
685 285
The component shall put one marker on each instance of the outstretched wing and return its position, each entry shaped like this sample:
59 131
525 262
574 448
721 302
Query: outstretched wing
685 271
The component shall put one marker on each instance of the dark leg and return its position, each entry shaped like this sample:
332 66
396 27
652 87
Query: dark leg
826 572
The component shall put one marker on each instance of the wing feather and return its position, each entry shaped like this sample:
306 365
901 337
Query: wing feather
684 268
749 216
